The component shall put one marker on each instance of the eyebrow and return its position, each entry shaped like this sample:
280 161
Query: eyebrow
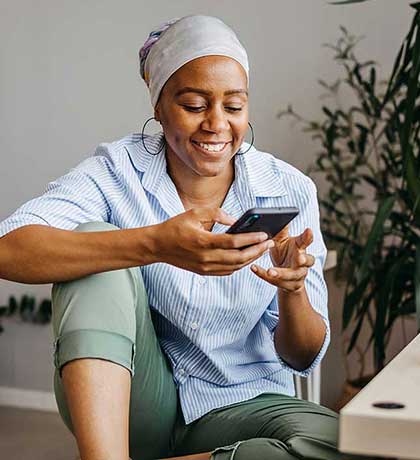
189 89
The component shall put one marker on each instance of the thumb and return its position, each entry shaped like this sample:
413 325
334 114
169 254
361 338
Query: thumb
304 239
216 215
283 234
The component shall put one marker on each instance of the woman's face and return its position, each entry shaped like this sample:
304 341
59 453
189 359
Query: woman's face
203 109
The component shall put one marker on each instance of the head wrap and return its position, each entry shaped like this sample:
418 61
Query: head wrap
179 41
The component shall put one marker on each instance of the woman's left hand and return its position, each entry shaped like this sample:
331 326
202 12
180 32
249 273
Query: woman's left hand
290 260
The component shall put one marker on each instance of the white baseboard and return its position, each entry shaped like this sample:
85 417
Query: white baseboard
28 399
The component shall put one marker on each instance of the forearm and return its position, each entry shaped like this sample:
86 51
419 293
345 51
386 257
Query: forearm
38 254
300 332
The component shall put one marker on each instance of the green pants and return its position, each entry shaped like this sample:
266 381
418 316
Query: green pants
107 316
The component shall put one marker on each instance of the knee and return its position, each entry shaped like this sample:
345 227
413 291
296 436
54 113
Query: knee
297 447
95 227
324 448
308 433
250 449
88 301
319 440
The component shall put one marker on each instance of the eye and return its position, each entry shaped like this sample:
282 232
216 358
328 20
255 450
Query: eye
234 109
191 108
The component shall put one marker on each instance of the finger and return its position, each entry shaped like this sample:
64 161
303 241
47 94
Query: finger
276 280
235 259
264 275
207 215
248 255
238 258
304 239
283 274
306 260
240 240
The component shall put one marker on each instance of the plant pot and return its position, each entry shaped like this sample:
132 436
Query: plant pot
351 388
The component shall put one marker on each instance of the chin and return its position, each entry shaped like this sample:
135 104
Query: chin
210 168
209 171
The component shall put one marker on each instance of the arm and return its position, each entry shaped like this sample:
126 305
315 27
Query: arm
299 314
37 244
300 332
38 254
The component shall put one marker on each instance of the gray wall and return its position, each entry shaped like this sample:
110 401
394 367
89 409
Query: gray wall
69 80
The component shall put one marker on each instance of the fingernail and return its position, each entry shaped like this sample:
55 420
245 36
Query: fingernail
270 244
253 268
272 272
263 236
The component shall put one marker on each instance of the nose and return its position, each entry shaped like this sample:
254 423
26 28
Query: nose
215 121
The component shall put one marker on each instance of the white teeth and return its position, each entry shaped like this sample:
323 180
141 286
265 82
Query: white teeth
212 147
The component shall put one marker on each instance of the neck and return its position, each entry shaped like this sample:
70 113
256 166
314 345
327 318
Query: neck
198 191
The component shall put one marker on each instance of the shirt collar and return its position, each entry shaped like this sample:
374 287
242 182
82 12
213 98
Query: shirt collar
262 173
155 178
256 175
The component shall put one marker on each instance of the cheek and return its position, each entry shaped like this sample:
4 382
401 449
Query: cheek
180 127
240 127
178 135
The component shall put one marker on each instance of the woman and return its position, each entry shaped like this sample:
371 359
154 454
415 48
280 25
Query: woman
194 353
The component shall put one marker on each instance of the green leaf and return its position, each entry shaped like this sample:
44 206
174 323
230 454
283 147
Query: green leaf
412 91
375 235
352 300
13 306
347 2
356 331
328 112
372 77
383 306
417 285
413 183
43 314
400 64
416 6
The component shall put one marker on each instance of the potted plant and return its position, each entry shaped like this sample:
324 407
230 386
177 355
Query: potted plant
27 310
370 158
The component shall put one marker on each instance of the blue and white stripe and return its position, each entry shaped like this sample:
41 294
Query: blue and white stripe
216 331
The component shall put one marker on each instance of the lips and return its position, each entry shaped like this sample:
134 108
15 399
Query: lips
212 147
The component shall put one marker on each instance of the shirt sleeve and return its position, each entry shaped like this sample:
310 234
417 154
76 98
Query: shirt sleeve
315 285
77 197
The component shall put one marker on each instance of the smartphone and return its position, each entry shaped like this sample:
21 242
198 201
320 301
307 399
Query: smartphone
268 220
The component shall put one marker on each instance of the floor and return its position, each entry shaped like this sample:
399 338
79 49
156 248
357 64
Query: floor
34 435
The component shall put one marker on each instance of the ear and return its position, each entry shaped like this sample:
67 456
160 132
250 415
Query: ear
157 113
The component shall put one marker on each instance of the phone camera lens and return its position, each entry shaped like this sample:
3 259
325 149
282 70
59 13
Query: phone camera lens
250 220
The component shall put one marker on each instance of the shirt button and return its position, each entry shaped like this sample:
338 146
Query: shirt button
194 326
202 280
181 372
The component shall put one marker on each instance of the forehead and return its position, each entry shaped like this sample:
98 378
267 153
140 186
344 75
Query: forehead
211 73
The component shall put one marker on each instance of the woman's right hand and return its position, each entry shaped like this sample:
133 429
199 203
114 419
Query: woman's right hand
187 242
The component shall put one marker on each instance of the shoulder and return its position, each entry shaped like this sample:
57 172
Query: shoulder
293 180
130 151
115 150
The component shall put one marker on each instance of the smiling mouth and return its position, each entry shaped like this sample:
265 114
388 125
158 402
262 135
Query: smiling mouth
211 147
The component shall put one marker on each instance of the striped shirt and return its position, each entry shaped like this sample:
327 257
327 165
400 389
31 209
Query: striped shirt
217 331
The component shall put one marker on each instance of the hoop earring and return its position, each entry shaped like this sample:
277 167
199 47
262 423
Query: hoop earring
252 141
142 139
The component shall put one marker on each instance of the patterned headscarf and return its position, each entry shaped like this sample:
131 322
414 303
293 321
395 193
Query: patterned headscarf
181 40
151 40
